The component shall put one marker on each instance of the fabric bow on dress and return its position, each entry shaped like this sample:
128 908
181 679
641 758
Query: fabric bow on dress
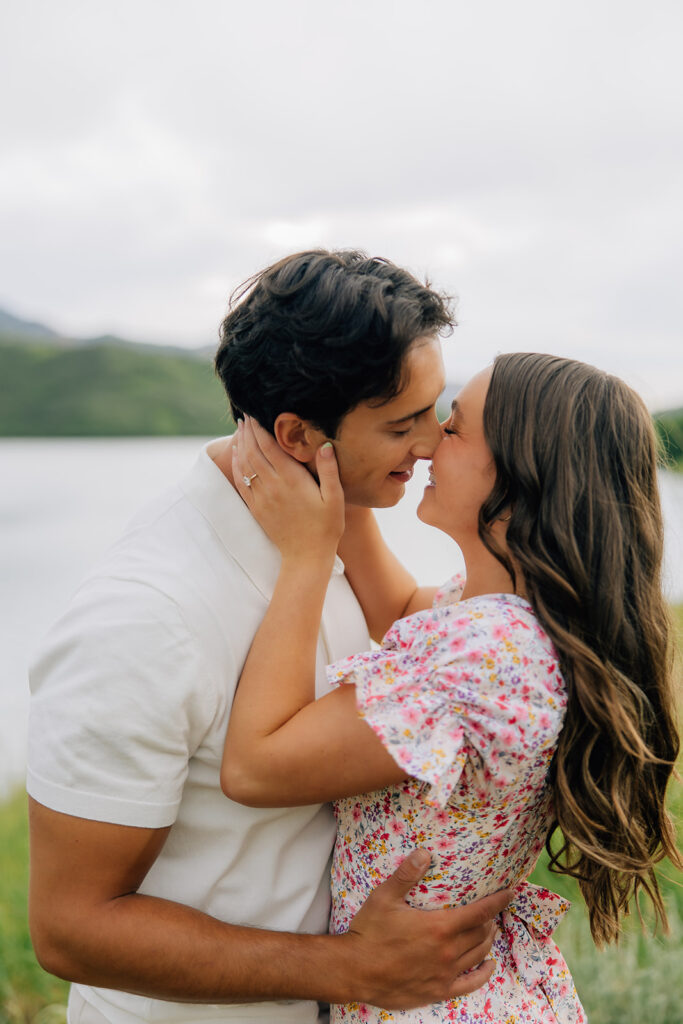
533 914
529 920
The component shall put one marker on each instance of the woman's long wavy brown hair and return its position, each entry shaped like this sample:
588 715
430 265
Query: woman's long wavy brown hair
576 459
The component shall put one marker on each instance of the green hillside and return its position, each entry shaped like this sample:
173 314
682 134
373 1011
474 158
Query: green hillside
106 389
52 386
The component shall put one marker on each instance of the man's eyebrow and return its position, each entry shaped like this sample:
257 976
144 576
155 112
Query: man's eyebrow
410 416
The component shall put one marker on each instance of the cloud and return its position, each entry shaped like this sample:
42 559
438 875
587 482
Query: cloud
526 156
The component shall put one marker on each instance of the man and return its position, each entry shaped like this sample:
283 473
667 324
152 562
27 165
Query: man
137 858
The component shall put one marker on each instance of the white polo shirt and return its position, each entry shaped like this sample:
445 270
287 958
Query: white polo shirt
131 695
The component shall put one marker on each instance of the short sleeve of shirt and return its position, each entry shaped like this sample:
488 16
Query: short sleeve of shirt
476 681
120 701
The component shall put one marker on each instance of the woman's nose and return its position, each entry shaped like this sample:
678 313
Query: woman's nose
428 439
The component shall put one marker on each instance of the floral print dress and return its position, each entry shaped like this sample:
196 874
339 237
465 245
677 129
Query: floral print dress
469 700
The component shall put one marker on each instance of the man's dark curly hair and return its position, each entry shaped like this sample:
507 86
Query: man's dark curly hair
320 332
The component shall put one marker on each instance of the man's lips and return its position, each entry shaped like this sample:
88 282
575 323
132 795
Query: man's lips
402 476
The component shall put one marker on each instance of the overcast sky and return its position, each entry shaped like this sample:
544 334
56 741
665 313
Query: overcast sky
527 156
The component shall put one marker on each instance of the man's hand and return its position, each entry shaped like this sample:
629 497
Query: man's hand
416 957
90 925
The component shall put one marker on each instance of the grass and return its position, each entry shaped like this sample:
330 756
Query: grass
27 994
640 980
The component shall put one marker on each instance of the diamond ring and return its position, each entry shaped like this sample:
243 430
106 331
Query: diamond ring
248 479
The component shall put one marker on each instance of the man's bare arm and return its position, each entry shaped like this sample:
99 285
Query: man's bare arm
90 925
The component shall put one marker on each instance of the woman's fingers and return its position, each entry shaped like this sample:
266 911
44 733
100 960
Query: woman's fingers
252 446
243 470
299 514
328 473
241 474
266 442
331 491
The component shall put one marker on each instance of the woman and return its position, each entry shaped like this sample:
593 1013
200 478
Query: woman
538 694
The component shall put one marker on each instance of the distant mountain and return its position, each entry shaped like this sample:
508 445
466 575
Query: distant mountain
105 386
24 330
10 324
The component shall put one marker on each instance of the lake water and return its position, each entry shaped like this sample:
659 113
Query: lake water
62 502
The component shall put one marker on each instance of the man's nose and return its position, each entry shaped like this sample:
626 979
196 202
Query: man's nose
428 438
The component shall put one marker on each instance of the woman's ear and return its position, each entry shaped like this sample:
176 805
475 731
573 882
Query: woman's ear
297 437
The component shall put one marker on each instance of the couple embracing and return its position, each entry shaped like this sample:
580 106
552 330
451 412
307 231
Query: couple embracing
181 824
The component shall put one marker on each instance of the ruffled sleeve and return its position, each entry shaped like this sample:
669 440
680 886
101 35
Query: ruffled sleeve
450 591
476 681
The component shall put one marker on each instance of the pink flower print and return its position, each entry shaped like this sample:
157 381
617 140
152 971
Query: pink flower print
456 734
499 712
519 714
410 714
357 812
508 736
519 622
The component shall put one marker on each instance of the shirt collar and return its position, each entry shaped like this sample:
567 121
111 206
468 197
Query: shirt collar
212 494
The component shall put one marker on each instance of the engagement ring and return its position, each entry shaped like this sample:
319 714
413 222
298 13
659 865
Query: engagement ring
248 479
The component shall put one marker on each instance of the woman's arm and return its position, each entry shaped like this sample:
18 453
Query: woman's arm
385 589
283 747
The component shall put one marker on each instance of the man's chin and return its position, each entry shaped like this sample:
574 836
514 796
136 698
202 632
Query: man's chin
377 500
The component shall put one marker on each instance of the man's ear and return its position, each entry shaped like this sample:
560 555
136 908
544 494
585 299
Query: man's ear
299 438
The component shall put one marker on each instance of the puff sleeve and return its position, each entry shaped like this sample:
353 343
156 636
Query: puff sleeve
472 683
